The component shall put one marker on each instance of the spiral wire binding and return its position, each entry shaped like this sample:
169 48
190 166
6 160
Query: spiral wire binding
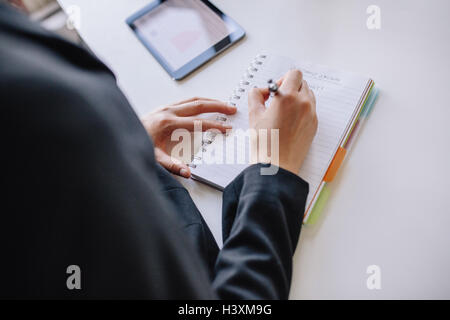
244 83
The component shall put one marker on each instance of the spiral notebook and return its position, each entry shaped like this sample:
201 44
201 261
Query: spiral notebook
341 97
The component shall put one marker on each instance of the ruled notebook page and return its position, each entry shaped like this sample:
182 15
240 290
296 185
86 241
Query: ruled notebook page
337 94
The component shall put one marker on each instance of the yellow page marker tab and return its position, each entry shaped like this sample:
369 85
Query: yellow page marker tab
335 164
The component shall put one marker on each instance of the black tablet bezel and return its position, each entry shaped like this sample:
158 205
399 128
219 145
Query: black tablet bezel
200 59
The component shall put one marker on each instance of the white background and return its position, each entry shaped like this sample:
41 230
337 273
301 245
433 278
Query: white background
390 202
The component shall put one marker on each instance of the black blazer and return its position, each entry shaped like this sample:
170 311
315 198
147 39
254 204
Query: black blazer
81 187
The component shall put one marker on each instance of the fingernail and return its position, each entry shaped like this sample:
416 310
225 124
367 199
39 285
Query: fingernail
185 173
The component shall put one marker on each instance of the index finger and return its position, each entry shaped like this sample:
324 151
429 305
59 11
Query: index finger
292 81
203 106
192 99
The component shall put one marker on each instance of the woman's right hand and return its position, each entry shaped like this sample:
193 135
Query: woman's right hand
292 112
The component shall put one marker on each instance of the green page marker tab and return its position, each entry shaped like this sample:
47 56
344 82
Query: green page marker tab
319 205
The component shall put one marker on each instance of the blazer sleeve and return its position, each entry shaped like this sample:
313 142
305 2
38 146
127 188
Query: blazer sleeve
262 218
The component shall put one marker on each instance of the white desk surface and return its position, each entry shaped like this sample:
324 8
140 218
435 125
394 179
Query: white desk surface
390 203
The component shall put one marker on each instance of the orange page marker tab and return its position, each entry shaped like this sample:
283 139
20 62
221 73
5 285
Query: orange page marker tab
335 164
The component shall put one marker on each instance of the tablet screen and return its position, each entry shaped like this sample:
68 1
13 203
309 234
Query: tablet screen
181 30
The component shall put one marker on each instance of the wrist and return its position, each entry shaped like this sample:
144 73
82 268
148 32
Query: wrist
290 167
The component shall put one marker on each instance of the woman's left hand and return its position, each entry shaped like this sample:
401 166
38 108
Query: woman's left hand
161 123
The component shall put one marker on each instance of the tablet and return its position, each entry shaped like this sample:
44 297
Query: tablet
184 34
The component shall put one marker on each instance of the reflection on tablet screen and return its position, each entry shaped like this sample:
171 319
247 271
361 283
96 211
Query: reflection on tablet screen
180 30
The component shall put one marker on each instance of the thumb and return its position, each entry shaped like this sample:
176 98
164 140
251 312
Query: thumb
256 101
172 164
